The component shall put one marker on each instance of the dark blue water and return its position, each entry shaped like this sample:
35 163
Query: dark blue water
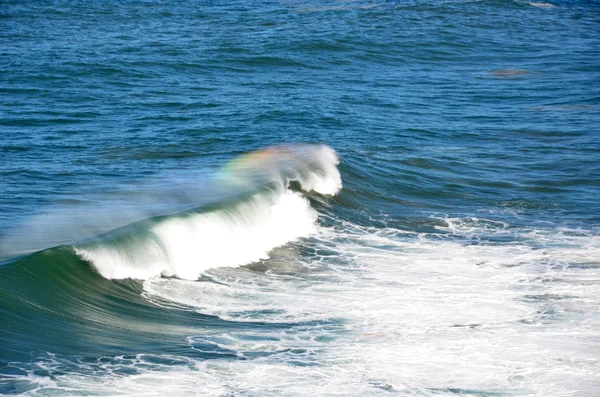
460 256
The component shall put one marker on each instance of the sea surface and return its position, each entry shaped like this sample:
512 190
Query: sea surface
300 198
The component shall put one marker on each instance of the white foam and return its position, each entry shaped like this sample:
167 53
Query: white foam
406 313
187 246
323 178
541 5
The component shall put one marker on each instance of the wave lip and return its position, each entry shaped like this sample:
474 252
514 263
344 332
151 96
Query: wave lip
229 234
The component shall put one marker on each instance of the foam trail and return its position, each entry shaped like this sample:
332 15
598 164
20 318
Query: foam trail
235 233
376 312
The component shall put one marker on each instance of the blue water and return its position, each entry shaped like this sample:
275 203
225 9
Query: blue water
150 245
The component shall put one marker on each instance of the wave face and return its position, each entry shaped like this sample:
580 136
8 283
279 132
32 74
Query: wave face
231 234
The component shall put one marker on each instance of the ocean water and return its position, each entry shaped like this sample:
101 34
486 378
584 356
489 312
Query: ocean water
291 198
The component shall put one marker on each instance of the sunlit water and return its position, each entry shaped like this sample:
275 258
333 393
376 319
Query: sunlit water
439 235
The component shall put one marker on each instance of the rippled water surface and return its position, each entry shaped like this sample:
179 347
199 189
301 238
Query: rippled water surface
300 198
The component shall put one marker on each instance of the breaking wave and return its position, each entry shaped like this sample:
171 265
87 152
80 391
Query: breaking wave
272 211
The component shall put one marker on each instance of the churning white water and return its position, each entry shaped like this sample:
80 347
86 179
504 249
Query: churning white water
364 311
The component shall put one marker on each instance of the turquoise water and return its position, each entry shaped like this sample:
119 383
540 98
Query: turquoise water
294 198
